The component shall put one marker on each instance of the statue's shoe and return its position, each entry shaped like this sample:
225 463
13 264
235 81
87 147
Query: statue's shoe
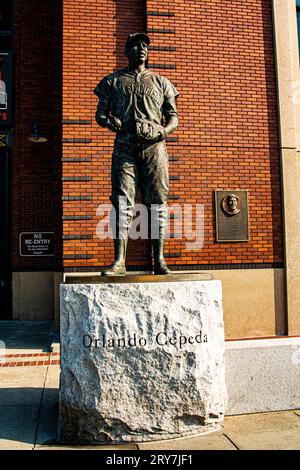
118 268
161 268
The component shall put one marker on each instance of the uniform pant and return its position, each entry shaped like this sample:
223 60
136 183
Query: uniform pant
144 167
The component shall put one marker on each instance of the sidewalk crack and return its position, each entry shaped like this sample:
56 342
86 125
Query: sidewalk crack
225 435
40 409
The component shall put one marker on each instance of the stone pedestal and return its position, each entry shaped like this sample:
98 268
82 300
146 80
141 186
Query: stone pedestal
141 360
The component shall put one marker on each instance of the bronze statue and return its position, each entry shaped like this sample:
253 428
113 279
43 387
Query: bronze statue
134 103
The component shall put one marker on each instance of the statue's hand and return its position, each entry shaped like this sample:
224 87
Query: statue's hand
114 124
149 132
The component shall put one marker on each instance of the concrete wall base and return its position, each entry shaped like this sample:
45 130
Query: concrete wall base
262 375
33 295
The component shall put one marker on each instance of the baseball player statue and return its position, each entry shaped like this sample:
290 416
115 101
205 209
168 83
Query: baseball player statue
140 107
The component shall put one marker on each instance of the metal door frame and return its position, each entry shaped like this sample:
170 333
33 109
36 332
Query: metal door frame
5 235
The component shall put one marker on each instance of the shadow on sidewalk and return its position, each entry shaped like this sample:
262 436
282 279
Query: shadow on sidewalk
17 335
28 416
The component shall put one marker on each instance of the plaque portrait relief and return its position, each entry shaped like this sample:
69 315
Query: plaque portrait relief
231 204
232 221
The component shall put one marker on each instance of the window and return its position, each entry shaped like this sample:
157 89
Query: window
6 17
6 24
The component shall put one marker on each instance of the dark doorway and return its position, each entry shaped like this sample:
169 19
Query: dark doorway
5 237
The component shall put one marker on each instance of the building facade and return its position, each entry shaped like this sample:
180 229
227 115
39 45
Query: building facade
236 67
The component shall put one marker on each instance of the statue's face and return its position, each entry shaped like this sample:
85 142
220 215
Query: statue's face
137 52
232 203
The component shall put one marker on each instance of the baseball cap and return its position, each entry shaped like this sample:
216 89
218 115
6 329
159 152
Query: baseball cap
137 37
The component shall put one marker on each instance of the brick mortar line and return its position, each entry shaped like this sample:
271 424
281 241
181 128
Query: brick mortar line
20 355
30 363
28 359
35 359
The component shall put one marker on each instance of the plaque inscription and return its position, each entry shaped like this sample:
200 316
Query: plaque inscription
37 244
232 223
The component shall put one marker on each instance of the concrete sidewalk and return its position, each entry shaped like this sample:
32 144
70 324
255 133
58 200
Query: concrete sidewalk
29 383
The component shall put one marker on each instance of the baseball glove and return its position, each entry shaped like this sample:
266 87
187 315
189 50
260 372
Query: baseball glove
149 132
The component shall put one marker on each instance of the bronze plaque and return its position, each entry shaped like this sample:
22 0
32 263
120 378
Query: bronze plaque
232 223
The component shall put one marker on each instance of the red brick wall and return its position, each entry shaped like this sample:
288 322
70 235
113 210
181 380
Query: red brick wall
223 67
36 195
